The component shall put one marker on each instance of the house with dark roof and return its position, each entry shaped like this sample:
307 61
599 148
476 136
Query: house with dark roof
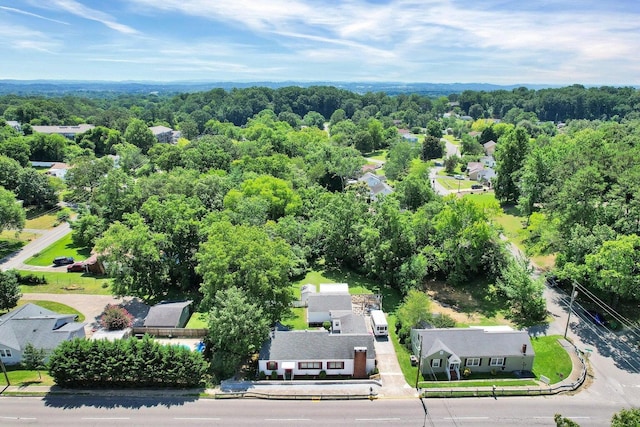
309 352
168 315
451 350
320 305
32 324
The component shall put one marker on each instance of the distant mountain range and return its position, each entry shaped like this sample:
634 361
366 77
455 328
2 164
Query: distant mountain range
104 88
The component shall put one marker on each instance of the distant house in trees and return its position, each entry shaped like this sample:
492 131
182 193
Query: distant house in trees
488 161
475 134
58 170
15 125
168 315
32 324
485 349
377 187
165 134
473 168
68 132
489 147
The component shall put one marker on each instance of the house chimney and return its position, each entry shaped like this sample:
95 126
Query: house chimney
524 349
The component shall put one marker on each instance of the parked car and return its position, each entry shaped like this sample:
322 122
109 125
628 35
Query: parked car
458 176
76 267
596 317
476 186
63 260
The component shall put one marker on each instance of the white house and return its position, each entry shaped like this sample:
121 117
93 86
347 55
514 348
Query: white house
165 134
32 324
68 132
299 353
377 186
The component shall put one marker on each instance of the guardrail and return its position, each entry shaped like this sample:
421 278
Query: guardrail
283 396
560 387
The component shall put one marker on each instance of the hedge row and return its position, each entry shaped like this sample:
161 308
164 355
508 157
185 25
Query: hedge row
130 363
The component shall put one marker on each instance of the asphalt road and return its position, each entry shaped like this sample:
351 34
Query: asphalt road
17 259
103 411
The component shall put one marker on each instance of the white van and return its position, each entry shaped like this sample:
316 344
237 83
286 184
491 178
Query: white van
379 323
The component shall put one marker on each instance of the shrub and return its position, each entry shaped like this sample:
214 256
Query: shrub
29 279
63 215
115 318
262 375
274 375
466 372
323 375
327 325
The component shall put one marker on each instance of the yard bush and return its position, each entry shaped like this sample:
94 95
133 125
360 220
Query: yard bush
129 363
274 375
29 279
115 318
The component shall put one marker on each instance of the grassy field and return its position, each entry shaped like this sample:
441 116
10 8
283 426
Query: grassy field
378 155
23 377
9 245
63 247
551 360
455 184
55 306
42 222
75 283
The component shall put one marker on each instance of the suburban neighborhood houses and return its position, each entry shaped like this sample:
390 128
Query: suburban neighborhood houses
251 237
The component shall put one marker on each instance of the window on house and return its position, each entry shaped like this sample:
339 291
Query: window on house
272 366
496 361
5 353
309 365
435 363
472 361
335 365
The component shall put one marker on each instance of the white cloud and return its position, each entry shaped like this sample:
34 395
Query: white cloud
24 12
85 12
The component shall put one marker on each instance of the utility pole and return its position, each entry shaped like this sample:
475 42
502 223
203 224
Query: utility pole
574 293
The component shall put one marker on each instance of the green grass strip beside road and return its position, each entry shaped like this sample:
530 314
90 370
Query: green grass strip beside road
63 247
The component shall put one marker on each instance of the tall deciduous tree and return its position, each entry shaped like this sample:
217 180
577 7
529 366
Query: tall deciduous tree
11 213
248 258
528 306
237 328
511 151
9 290
139 134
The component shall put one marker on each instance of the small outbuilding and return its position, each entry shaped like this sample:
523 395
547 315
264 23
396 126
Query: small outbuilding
168 315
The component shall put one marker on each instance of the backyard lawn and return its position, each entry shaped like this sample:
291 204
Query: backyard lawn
72 283
56 307
41 222
23 377
63 247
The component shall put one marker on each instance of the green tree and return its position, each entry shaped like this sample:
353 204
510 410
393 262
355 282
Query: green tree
86 175
313 118
9 172
278 193
86 229
17 148
525 295
614 267
434 129
35 189
9 290
511 152
415 309
33 358
248 258
11 213
399 159
450 163
237 328
139 134
626 418
564 421
432 148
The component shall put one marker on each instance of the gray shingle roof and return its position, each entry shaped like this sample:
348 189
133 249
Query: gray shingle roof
166 315
36 325
475 342
350 323
314 345
326 302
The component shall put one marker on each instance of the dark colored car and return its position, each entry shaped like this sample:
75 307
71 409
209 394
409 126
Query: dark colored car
76 267
595 317
476 186
63 260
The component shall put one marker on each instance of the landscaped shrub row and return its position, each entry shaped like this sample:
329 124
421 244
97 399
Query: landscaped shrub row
29 279
130 363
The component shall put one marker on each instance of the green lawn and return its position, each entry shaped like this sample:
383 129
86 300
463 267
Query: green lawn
9 245
378 155
198 321
75 283
23 377
63 247
54 306
455 184
551 359
41 222
297 320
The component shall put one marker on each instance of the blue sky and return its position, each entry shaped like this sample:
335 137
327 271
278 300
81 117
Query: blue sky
440 41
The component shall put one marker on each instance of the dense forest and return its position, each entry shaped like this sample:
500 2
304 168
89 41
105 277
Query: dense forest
260 189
